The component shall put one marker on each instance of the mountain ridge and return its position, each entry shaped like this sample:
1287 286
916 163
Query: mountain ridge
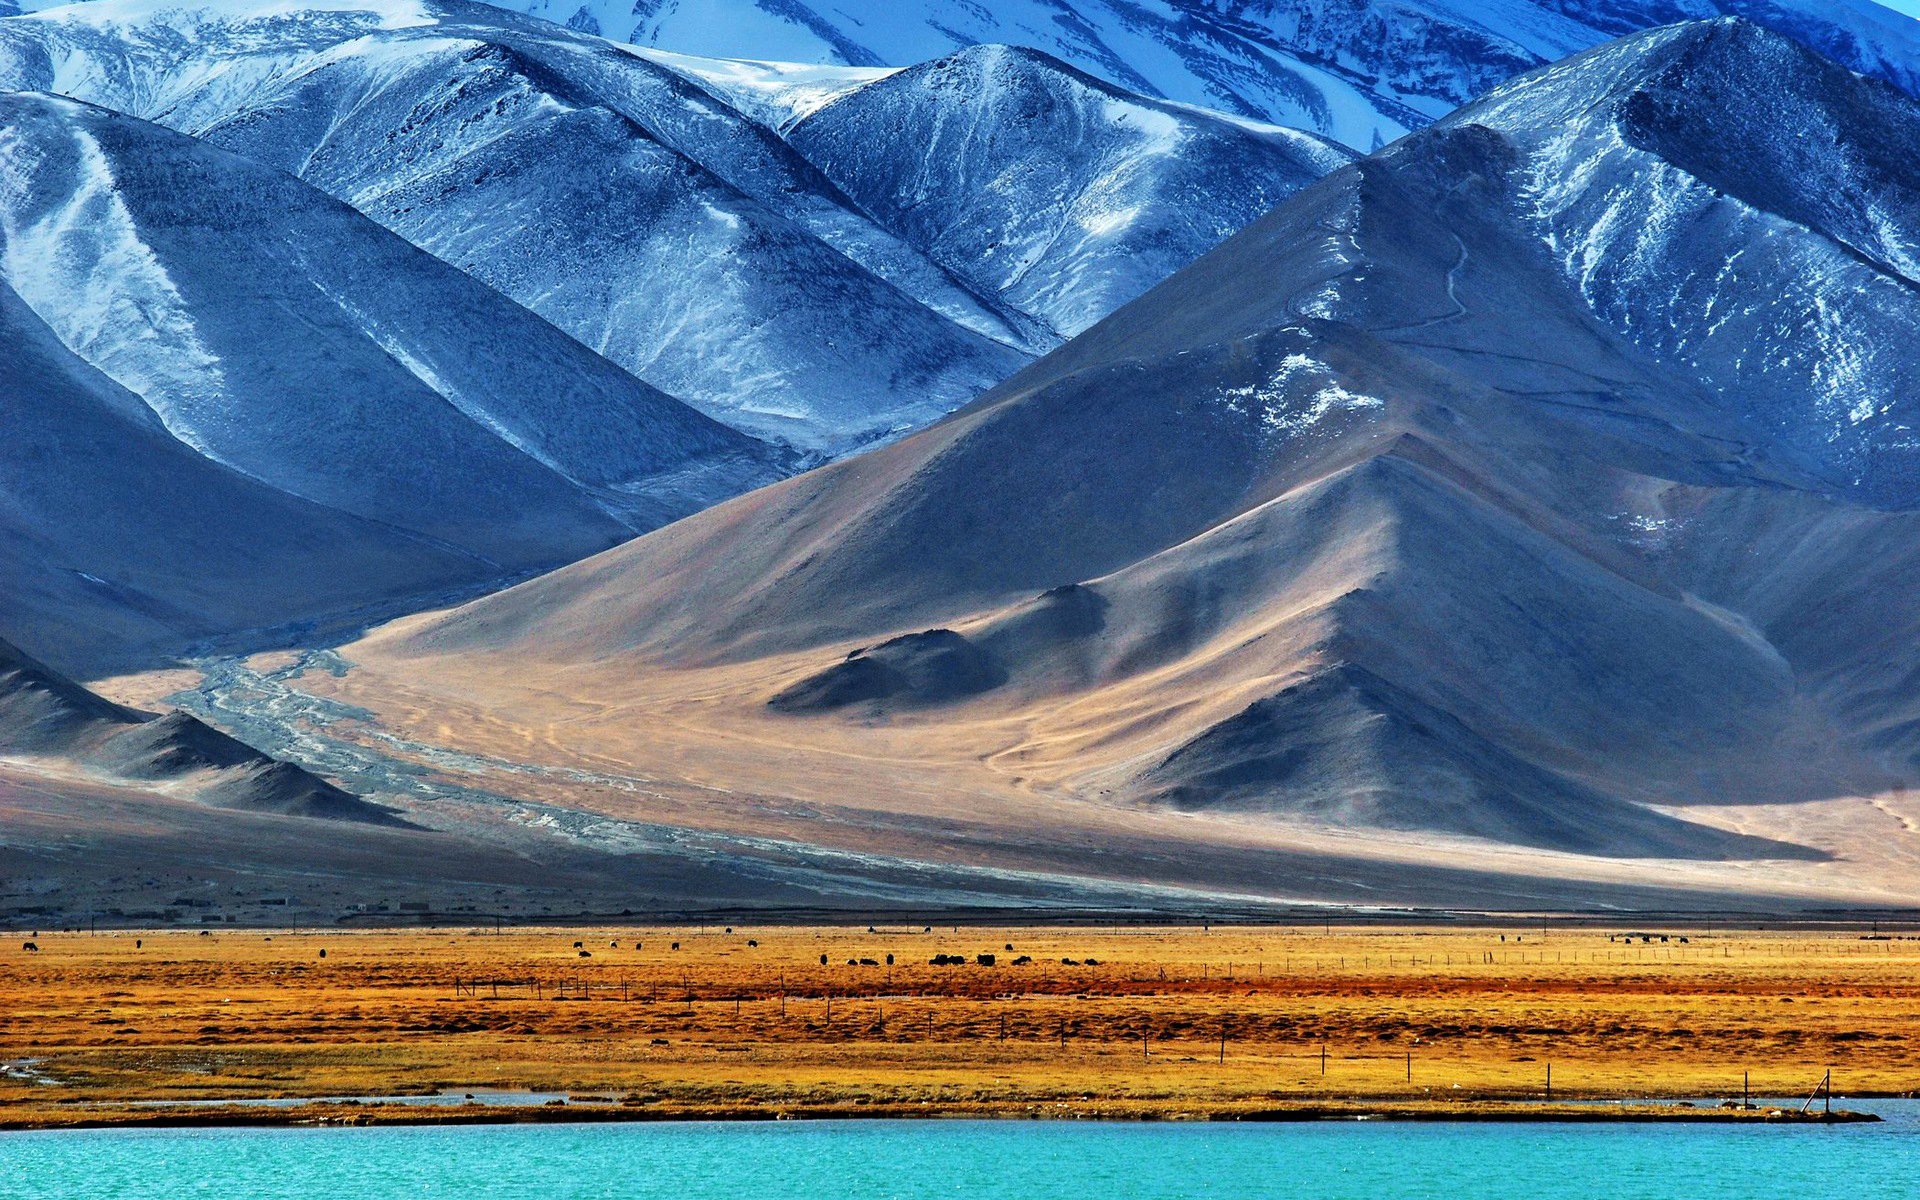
557 168
237 336
1362 72
1389 438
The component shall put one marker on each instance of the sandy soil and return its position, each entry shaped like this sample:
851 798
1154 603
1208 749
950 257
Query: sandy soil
698 748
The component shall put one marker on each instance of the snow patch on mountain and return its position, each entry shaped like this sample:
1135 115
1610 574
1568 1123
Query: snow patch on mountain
79 262
1360 71
1300 395
1755 247
772 93
719 229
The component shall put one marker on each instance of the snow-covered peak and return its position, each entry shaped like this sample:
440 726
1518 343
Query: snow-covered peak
773 93
1360 71
1742 208
616 197
197 16
1037 182
1824 148
669 213
247 311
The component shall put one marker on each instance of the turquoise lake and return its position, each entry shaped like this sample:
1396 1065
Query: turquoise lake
1002 1160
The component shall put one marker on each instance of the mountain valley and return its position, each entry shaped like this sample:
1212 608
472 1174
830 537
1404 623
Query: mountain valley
948 471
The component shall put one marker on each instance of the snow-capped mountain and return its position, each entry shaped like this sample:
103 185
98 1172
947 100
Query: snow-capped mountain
1553 463
1360 71
234 343
1675 206
1063 196
665 214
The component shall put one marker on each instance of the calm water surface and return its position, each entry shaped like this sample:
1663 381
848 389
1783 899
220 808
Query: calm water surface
1007 1160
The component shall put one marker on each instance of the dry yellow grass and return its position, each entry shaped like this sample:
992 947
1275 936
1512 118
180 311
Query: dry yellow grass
722 1025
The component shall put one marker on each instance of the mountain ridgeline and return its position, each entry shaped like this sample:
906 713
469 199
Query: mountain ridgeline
1362 72
1543 479
237 402
327 310
654 207
47 718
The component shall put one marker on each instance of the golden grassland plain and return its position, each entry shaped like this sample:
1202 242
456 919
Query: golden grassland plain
632 1023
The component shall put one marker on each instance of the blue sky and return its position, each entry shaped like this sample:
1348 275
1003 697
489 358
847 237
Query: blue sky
1909 7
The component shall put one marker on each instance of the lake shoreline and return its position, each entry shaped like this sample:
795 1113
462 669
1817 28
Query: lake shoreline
360 1114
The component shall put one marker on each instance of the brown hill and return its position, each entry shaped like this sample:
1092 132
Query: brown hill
1394 514
47 717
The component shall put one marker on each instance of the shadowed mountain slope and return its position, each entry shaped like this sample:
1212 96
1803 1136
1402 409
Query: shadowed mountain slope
236 402
1396 510
646 205
42 709
47 718
1062 195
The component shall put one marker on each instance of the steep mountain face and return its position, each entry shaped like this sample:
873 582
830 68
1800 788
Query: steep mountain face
602 191
1061 195
1360 71
1552 463
46 718
119 540
648 206
234 401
